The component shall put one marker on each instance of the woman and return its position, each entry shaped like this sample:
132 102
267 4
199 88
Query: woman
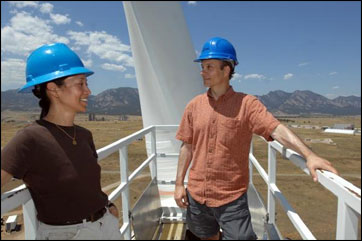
57 159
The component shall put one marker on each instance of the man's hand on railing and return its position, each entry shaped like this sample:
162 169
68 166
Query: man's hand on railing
290 140
315 162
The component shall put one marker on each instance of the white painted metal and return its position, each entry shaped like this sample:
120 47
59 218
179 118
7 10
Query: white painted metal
167 161
116 192
123 159
153 167
113 147
302 229
259 168
30 221
123 188
163 54
274 192
7 204
291 155
149 161
349 196
341 188
272 179
251 165
347 221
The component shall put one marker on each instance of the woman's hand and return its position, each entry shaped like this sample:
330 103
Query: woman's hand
113 210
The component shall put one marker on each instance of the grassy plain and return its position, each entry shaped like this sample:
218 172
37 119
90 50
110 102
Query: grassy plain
316 206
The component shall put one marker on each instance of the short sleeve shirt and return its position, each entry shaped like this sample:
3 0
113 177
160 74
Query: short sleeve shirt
220 133
63 179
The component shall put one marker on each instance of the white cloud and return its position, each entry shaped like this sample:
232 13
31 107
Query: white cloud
130 76
13 73
80 38
332 73
79 23
46 8
303 64
56 18
87 63
336 87
104 45
192 3
288 76
114 67
60 19
23 4
237 77
20 38
254 76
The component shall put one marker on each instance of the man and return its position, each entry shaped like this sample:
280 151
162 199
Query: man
216 131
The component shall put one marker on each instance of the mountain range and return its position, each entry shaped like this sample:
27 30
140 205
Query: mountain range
125 100
309 103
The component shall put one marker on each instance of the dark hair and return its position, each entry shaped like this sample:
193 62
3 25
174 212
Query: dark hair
40 92
231 65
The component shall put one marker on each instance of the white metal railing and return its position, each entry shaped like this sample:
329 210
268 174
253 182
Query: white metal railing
349 196
123 189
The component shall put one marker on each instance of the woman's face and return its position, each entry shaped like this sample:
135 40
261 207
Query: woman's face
73 94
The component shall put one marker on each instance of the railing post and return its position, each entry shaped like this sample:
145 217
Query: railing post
153 164
30 220
347 222
250 163
272 180
123 156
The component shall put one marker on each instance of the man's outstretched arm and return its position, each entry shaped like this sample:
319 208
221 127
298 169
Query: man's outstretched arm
290 140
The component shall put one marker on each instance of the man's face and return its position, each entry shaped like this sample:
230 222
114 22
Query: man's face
212 73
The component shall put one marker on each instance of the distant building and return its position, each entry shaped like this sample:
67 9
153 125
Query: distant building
123 117
343 126
11 223
92 117
325 141
340 131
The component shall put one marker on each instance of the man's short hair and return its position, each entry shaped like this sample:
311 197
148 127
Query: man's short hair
231 65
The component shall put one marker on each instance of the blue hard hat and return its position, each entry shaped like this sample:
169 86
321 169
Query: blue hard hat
50 62
218 48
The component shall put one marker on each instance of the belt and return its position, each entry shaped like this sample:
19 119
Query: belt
92 218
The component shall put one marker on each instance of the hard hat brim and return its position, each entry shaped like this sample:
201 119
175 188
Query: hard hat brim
52 76
213 57
216 55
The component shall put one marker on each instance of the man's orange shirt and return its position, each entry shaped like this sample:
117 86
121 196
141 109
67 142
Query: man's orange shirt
220 133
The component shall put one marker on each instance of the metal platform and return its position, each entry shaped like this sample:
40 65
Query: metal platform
156 214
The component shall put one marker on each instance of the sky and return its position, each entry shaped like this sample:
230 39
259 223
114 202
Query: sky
286 46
